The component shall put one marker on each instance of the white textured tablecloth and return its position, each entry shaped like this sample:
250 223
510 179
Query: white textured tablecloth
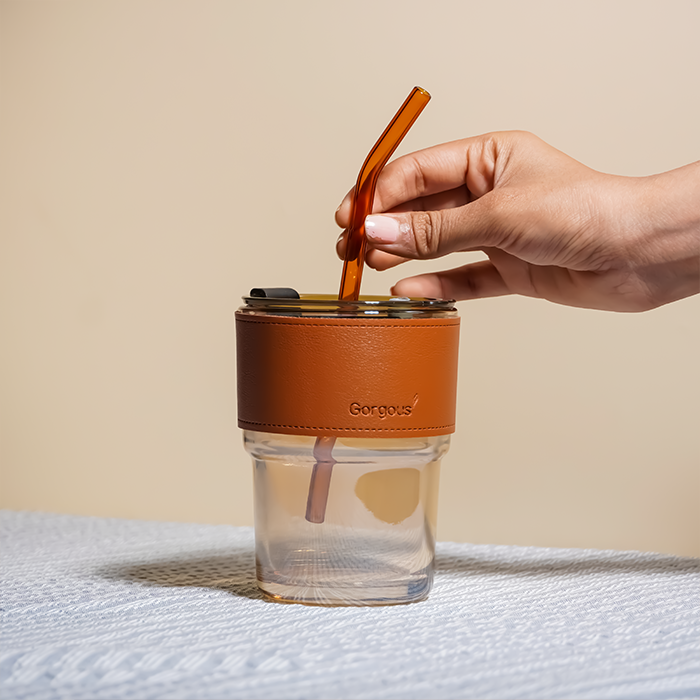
97 608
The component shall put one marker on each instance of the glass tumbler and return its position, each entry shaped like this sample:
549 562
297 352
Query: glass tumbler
347 409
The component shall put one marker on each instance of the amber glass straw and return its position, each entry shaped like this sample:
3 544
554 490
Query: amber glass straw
352 270
363 198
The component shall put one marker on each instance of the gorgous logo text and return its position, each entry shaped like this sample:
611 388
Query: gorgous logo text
383 411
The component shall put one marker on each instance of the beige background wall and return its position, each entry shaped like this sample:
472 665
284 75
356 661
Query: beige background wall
160 158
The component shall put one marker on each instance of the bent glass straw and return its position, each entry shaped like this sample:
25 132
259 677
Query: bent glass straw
363 198
362 202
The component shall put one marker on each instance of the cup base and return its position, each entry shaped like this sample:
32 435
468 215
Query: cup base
347 596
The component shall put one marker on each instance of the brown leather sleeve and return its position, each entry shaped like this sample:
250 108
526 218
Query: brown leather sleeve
354 377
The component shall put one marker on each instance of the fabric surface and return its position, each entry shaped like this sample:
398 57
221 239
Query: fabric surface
98 608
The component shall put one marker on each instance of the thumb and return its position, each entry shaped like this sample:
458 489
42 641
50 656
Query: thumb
425 235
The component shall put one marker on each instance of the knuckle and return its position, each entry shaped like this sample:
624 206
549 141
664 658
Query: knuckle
426 233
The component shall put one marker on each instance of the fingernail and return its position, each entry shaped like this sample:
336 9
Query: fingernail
382 229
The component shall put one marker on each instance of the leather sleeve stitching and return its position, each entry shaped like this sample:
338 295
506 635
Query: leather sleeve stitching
358 430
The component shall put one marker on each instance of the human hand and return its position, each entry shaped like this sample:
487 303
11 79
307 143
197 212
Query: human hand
551 227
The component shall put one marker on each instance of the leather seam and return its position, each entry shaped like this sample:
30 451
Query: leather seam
318 427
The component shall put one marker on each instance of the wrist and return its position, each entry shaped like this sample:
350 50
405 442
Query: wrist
669 241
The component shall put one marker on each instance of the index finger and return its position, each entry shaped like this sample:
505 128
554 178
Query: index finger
437 169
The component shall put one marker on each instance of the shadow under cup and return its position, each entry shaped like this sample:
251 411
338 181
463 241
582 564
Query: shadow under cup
374 381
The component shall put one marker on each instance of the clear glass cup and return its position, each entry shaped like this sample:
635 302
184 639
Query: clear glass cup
376 544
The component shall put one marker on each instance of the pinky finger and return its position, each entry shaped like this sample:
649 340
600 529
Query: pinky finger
473 281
